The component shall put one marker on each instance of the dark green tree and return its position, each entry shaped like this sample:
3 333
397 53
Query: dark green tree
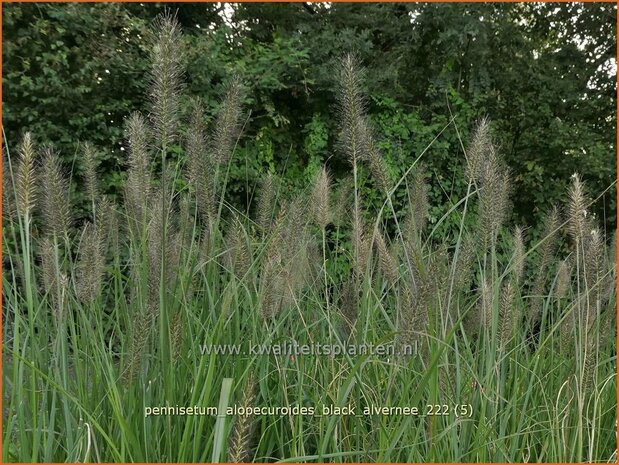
543 73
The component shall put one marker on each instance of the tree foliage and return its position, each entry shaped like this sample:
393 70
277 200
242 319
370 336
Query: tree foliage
541 72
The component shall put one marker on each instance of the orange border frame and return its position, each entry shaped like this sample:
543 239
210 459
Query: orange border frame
616 2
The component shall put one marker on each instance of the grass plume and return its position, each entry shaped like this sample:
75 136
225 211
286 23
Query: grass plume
55 200
26 176
167 62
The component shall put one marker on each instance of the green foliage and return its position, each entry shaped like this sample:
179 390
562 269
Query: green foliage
218 240
541 72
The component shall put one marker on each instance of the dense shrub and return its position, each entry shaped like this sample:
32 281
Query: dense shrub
542 72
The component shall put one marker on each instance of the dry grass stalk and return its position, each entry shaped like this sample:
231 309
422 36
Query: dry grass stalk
563 280
341 202
492 178
228 122
176 336
479 147
138 185
293 242
26 176
464 264
91 264
270 275
590 356
594 266
140 332
577 210
200 164
238 252
320 198
286 264
145 317
545 255
373 156
566 332
156 247
493 202
417 216
361 244
266 204
352 108
487 304
49 268
55 202
90 166
167 56
239 450
388 264
412 317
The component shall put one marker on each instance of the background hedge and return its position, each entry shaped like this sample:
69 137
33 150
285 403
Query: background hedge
543 73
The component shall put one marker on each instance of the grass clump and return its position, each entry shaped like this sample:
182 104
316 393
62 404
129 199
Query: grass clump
513 340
